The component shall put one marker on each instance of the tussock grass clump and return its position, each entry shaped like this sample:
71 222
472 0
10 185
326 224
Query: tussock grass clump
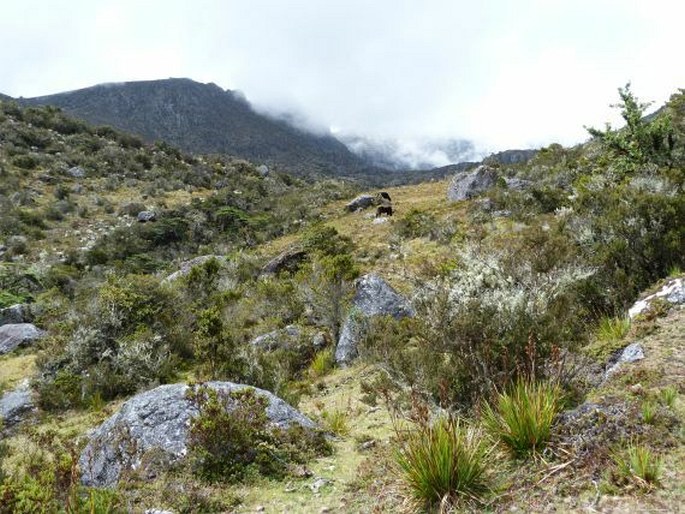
669 395
611 330
446 462
322 364
637 465
522 417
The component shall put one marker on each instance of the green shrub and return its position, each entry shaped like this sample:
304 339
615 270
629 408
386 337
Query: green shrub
522 417
231 437
445 462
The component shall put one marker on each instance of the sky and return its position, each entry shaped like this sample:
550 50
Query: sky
504 74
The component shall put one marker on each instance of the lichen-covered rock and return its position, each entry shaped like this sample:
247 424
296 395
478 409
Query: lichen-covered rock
468 184
18 313
157 421
361 202
76 172
145 216
15 335
673 292
14 405
373 297
187 266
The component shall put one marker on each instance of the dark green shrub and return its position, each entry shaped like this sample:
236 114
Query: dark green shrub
231 437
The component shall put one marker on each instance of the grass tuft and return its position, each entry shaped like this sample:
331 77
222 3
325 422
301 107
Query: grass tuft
669 395
445 462
522 417
638 465
322 364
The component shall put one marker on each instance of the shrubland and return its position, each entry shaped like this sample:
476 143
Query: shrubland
516 300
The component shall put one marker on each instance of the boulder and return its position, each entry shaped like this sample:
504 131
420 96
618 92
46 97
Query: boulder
17 313
145 216
631 353
186 266
289 260
471 183
18 334
263 170
280 338
157 421
15 404
360 203
373 297
673 292
76 172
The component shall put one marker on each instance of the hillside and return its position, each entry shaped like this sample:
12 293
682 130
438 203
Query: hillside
396 338
203 118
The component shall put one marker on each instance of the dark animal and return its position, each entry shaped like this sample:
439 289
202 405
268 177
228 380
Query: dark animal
384 210
385 196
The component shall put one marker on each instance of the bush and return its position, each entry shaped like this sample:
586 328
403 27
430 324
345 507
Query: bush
445 462
232 437
522 417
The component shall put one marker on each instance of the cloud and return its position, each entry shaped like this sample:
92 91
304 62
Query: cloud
505 74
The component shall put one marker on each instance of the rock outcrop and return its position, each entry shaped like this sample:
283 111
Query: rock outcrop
15 335
186 266
631 353
158 420
673 292
281 338
145 216
361 202
18 313
468 184
289 260
14 405
373 297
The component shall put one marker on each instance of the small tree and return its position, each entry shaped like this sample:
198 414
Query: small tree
642 141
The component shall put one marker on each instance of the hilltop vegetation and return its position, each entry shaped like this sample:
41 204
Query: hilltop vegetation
517 302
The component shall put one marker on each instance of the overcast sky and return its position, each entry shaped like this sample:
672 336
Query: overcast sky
504 73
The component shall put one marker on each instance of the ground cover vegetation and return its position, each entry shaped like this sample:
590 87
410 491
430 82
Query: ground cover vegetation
492 396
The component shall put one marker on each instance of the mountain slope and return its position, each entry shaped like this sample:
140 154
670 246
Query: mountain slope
203 118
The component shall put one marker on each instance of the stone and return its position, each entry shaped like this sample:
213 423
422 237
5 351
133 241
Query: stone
131 209
468 184
673 292
360 203
319 341
14 405
76 172
15 335
158 421
145 216
289 260
187 266
373 297
17 313
517 183
280 338
631 353
263 170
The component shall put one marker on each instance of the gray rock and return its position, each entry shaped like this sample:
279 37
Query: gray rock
14 405
469 184
361 202
187 266
18 334
289 260
280 338
319 341
145 216
631 353
673 292
158 420
18 313
373 297
76 172
517 183
263 170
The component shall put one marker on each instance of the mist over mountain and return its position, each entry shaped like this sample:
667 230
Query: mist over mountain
203 118
411 154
